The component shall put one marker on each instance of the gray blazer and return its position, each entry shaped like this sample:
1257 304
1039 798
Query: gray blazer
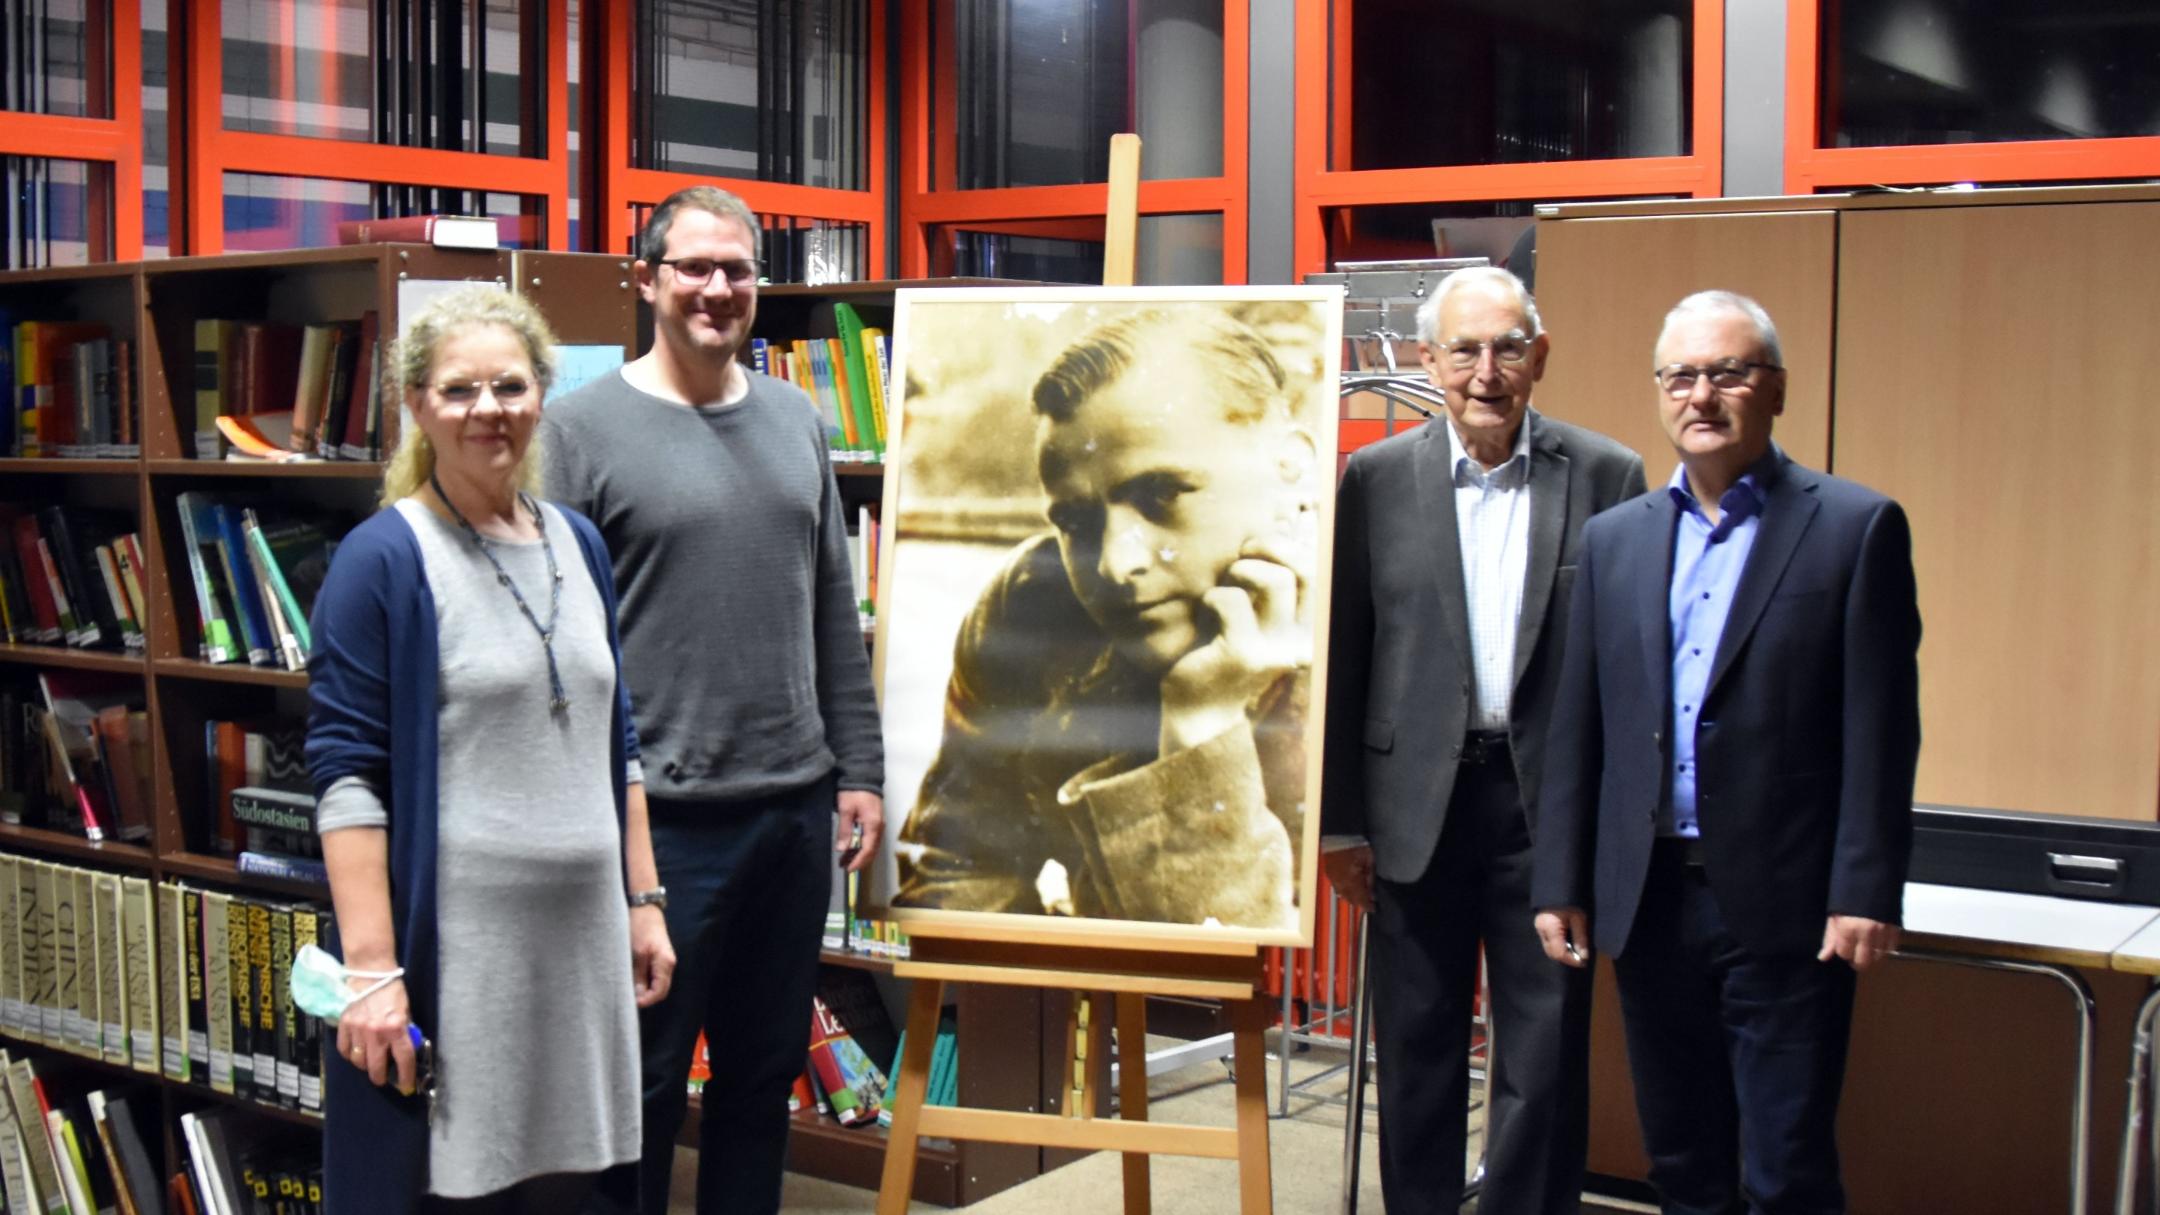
1399 682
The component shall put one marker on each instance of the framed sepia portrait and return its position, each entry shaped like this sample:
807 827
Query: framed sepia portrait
1102 605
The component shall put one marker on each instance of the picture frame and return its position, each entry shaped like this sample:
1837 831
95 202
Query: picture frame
1102 609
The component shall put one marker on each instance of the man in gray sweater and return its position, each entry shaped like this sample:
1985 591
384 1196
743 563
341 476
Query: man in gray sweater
748 678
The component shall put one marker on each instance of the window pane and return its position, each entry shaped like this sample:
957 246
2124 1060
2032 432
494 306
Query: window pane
1984 71
157 158
403 75
753 89
57 212
266 212
1496 231
1479 82
58 57
1170 250
1042 85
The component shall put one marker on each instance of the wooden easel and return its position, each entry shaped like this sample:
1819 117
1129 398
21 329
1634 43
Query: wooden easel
1009 956
1231 974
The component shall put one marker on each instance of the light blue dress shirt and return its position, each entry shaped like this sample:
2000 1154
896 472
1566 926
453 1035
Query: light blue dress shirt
1707 563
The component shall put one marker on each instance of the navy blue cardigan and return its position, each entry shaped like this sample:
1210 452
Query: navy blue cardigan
372 688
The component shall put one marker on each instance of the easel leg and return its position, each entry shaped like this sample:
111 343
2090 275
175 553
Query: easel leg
910 1087
1248 1025
1132 1092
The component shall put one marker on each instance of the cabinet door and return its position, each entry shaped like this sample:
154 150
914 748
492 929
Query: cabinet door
1605 285
1993 375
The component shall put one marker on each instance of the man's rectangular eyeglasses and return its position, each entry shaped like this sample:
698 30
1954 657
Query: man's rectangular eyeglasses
1508 348
691 271
1679 379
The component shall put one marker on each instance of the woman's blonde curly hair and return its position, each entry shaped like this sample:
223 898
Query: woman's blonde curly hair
413 357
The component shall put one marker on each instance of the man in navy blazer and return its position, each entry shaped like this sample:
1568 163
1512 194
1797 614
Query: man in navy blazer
1729 776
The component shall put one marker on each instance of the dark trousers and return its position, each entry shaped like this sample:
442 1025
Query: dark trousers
748 883
1737 1057
552 1194
1424 975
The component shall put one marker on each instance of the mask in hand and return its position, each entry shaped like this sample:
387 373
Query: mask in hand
319 983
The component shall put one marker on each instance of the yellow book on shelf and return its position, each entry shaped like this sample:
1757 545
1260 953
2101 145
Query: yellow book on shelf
880 381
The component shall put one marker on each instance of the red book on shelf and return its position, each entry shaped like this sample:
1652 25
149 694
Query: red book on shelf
43 606
443 231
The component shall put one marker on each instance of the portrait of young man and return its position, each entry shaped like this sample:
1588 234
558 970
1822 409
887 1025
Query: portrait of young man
1122 722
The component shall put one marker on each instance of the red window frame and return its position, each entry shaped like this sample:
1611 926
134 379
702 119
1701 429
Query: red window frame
612 24
115 223
1810 167
1323 53
930 200
204 151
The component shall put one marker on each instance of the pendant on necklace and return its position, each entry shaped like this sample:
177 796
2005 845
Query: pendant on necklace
560 704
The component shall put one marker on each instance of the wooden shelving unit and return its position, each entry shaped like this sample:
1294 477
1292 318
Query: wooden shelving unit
1006 1035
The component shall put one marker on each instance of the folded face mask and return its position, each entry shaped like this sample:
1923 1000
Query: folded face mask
319 983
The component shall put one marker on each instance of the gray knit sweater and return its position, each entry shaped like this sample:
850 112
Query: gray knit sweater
740 638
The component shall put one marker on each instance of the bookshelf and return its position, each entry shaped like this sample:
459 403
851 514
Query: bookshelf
154 307
1011 1040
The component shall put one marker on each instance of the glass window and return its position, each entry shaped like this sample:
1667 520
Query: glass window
1903 72
57 212
156 132
1499 232
269 212
756 89
387 72
59 57
1169 250
1481 82
1042 85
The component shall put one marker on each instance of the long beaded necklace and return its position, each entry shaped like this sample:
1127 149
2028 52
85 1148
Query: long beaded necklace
558 702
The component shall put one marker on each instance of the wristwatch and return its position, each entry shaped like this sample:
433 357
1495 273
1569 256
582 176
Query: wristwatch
656 897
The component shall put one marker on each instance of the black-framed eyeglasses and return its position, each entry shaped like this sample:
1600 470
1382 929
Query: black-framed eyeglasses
1509 348
691 271
1679 378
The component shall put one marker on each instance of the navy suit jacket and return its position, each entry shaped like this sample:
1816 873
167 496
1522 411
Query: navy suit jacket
1809 730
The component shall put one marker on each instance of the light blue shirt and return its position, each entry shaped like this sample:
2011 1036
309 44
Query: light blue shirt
1707 563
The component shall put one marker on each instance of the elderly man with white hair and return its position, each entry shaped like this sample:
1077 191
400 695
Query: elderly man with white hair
1455 552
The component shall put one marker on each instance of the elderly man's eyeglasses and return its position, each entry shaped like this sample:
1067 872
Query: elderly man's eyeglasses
1509 348
1679 379
693 271
507 391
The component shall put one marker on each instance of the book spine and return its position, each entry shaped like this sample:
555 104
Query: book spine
288 868
173 977
262 1018
63 1022
138 937
282 923
32 890
112 968
194 915
215 639
89 1001
218 995
11 1006
307 926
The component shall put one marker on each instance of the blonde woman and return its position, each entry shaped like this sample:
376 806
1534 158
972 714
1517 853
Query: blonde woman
482 808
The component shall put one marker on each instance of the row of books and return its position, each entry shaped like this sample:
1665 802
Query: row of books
266 390
254 568
70 390
231 1172
72 576
253 773
173 979
72 1155
852 933
849 377
75 755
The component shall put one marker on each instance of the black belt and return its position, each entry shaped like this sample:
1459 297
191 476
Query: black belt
1682 849
1484 747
